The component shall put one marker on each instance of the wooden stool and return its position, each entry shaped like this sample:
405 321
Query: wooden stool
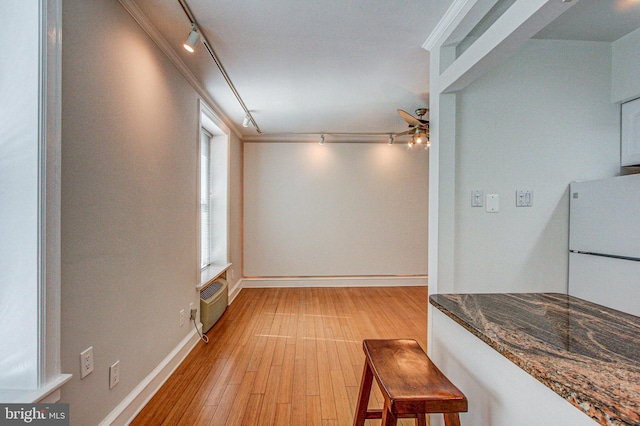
411 384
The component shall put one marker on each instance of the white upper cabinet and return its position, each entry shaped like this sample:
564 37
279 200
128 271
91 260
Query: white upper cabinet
630 135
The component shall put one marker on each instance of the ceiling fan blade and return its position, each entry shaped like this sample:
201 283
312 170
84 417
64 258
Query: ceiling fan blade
410 118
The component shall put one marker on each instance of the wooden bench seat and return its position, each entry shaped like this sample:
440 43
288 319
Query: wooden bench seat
410 383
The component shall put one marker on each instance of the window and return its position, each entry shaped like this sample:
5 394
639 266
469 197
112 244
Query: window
30 199
206 257
214 169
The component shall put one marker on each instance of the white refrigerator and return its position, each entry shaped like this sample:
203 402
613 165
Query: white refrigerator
604 242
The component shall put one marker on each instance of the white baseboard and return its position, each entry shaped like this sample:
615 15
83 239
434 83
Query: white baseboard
126 411
363 281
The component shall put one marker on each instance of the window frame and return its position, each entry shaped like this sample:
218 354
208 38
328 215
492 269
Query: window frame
220 136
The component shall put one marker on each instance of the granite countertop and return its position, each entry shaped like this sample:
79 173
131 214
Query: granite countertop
586 353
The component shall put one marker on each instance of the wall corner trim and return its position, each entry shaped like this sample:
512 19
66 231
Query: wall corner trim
133 403
235 290
441 27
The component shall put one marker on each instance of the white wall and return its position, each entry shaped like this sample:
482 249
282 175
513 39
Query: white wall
129 204
539 121
334 209
626 68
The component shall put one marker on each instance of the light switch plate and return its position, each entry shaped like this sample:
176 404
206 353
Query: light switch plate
524 198
476 198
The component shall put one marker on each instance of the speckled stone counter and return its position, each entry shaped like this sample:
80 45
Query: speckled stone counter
586 353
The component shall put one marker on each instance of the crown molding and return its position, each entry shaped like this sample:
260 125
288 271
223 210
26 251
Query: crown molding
449 18
138 15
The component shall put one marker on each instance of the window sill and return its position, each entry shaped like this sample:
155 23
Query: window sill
211 273
48 393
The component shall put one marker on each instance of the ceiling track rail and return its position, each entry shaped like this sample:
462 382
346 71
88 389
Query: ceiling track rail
212 53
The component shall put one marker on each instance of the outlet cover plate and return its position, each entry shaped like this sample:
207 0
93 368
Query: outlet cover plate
86 362
114 374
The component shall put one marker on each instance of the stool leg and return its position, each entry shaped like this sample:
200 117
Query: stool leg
363 398
388 418
421 419
451 419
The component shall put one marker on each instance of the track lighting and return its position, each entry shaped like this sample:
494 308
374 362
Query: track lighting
194 36
390 139
321 139
246 121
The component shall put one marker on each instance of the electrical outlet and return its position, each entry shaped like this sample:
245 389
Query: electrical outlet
114 374
86 362
192 312
181 317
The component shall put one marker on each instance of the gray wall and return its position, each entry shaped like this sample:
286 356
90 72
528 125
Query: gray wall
539 121
335 209
129 203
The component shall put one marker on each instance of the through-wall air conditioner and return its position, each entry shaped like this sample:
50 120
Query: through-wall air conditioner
213 302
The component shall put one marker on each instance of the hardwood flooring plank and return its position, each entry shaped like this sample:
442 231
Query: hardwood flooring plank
314 415
252 410
344 409
269 402
327 403
236 414
226 402
299 393
285 389
205 415
283 415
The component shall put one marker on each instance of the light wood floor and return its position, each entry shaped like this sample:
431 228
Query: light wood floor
287 357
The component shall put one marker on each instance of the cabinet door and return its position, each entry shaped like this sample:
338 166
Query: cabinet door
630 143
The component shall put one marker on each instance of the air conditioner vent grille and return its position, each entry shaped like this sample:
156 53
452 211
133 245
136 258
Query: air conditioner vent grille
210 291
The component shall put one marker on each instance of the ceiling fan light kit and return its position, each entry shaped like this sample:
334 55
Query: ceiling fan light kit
418 128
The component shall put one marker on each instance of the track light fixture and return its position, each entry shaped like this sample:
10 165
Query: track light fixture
390 139
246 121
321 139
189 45
194 36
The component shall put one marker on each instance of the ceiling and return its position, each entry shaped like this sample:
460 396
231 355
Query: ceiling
331 66
595 20
335 66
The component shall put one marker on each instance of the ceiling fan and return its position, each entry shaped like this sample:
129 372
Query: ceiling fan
418 127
